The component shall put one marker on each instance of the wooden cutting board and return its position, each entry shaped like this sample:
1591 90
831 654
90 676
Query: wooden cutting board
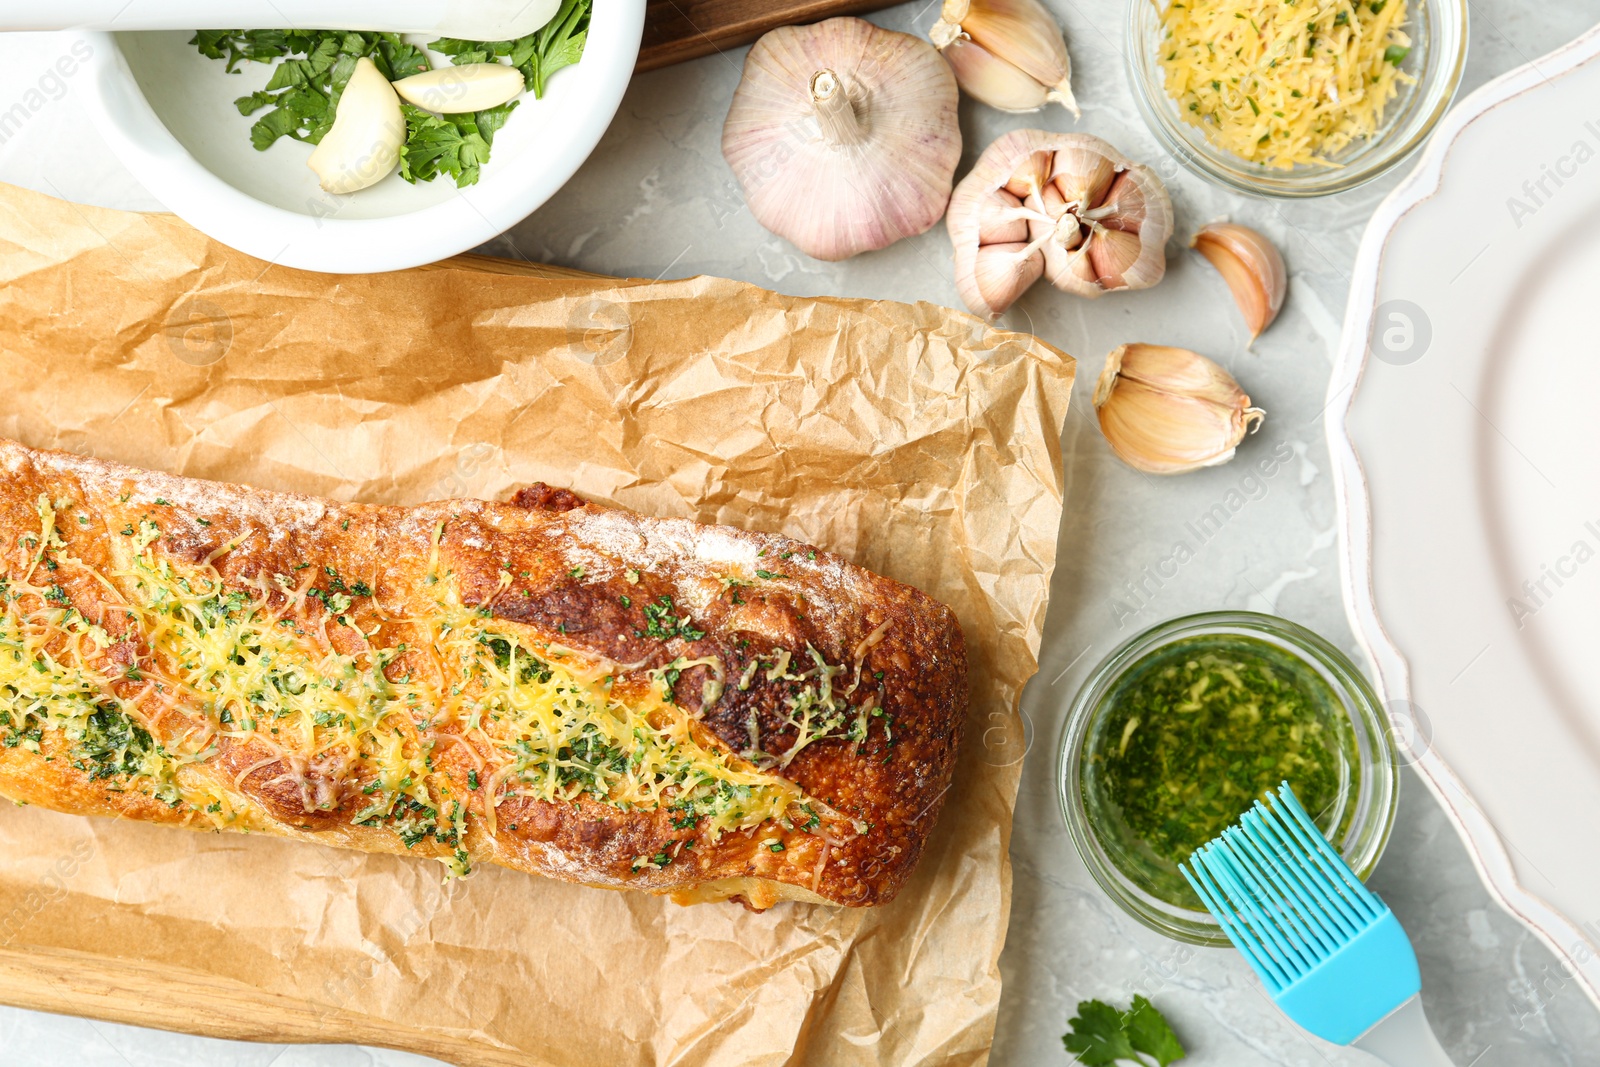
677 30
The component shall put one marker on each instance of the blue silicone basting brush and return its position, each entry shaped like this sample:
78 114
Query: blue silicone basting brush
1332 954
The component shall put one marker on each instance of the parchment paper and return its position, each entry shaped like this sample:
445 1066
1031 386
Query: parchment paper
910 438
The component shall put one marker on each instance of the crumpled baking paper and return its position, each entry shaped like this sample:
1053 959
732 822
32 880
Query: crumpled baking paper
913 439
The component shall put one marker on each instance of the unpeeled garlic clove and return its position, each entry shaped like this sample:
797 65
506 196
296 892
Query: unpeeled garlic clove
1096 221
1168 410
362 146
1251 266
1115 257
989 79
1018 34
460 90
1082 172
844 136
1002 219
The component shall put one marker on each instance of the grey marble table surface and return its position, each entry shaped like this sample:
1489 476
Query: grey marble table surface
657 200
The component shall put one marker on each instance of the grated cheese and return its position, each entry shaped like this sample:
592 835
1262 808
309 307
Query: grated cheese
1284 82
225 663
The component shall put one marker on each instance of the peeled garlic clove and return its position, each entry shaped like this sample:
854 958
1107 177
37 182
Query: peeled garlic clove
1099 220
1251 266
362 146
991 80
1168 410
1020 33
844 136
459 90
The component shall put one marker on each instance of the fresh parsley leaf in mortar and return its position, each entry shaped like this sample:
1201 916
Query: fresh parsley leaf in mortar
304 89
1103 1035
302 96
558 44
456 145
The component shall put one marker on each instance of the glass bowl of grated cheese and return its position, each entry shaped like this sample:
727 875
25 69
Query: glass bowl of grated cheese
1294 98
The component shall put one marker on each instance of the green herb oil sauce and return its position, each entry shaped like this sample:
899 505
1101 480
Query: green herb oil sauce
1197 732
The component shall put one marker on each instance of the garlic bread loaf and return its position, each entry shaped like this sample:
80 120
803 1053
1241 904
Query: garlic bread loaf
544 684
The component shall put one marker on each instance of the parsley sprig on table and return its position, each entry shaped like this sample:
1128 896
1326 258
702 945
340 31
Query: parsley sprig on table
302 97
1103 1035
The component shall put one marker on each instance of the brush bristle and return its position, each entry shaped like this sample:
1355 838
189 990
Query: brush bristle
1283 894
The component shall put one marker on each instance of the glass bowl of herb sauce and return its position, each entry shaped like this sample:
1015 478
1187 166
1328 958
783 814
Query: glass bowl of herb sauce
1177 732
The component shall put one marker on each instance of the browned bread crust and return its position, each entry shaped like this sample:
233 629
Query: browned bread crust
782 662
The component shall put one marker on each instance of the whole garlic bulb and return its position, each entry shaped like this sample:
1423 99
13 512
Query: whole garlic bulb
1064 206
1010 54
1168 410
844 136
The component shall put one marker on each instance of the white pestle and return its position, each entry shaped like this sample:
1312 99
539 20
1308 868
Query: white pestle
472 20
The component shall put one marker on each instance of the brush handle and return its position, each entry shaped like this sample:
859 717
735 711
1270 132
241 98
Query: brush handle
1404 1039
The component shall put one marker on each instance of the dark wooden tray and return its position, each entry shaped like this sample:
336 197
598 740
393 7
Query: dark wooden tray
676 30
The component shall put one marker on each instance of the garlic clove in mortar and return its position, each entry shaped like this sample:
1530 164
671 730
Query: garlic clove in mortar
1009 54
459 90
1251 266
1096 221
362 146
843 136
1168 410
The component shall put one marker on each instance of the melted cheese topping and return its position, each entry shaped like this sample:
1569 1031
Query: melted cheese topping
1284 82
341 715
45 683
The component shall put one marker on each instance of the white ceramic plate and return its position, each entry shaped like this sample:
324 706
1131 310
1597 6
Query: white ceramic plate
1463 423
168 113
